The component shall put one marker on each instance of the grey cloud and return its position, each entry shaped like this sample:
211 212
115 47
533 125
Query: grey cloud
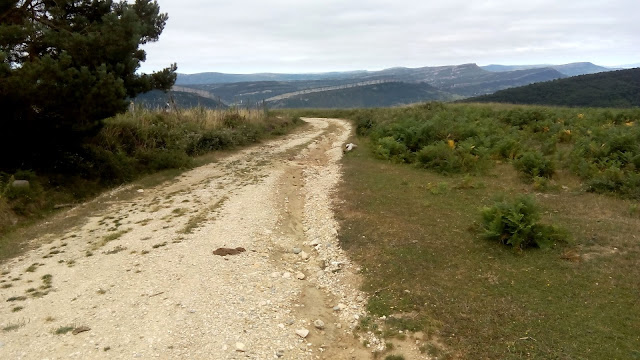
295 36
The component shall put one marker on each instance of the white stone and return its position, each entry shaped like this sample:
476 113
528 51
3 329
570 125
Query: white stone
303 333
240 347
319 324
300 276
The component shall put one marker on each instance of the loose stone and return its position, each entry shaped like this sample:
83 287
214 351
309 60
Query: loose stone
303 333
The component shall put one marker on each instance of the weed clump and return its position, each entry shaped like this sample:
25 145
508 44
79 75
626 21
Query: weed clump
516 223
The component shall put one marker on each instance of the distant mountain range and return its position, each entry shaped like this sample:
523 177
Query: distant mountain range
384 94
619 88
573 69
386 87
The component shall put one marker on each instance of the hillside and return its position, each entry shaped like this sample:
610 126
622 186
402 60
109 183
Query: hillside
251 92
222 78
619 88
157 99
378 95
454 81
572 69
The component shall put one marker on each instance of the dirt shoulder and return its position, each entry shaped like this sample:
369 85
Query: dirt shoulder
139 277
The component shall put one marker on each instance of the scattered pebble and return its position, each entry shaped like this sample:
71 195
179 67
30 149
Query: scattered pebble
240 347
319 324
303 333
297 250
339 307
300 276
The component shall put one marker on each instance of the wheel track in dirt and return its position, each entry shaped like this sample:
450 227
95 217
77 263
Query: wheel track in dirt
141 275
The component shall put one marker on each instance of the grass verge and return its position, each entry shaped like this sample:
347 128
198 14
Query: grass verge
426 267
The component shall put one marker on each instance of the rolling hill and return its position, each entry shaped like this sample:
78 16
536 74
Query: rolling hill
572 69
452 82
619 88
157 99
377 95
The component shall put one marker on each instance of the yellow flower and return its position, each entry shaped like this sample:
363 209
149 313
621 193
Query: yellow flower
568 132
580 116
629 123
451 143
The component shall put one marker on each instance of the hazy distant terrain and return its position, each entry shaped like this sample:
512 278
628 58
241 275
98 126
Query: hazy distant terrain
157 99
388 87
619 88
378 95
573 69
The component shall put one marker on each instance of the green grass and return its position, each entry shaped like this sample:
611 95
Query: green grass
424 262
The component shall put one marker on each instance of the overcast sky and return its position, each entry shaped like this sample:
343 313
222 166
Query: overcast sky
293 36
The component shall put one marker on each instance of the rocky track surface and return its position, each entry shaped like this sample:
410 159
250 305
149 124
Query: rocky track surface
139 277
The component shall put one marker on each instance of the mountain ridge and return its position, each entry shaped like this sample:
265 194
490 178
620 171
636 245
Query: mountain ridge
619 88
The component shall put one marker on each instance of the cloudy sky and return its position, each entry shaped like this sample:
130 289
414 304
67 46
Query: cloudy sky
292 36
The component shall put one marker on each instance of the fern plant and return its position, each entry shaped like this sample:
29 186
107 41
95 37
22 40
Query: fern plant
515 223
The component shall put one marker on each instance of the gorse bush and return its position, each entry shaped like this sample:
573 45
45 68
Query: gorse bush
516 223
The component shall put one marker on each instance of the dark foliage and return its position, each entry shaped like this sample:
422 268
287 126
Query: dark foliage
608 89
64 67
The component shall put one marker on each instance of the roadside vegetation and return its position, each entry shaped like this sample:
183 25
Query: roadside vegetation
127 147
498 232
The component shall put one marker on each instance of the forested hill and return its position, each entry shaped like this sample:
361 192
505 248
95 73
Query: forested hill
608 89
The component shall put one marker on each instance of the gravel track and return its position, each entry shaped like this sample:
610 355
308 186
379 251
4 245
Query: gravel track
138 278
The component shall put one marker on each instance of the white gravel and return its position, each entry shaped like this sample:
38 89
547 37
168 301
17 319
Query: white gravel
157 292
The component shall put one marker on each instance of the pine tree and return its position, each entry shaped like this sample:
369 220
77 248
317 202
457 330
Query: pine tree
65 65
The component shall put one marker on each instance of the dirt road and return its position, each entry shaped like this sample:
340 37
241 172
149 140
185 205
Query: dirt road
139 278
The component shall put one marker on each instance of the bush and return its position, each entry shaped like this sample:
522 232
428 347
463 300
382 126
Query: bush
448 157
516 223
533 164
390 149
25 200
440 157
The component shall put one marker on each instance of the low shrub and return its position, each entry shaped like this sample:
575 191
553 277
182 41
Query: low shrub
23 200
390 149
516 223
449 157
532 164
